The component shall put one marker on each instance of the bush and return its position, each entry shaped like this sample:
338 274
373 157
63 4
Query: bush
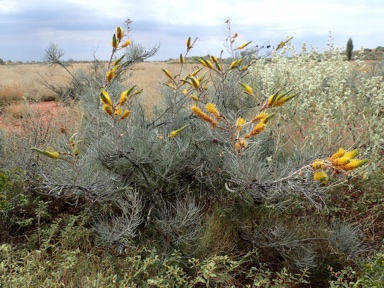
228 171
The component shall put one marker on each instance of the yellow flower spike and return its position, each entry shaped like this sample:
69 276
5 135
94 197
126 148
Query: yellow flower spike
338 154
114 42
243 45
214 59
166 72
118 111
320 176
318 164
195 98
352 154
195 82
175 132
137 92
125 114
244 68
189 43
119 33
124 95
346 158
204 62
170 86
284 99
353 164
126 43
236 63
247 89
240 123
194 73
211 108
198 112
110 74
185 92
181 59
108 109
50 154
105 98
260 116
256 130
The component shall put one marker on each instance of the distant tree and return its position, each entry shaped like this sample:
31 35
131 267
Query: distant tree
1 61
349 49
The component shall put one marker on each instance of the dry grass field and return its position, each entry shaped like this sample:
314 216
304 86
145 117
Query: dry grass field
22 92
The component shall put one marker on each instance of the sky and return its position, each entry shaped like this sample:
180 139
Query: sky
84 28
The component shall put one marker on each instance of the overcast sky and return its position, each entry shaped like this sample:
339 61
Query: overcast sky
82 27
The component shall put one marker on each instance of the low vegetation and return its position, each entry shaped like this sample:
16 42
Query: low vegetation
243 172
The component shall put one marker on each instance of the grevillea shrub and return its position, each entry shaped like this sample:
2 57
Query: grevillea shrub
216 167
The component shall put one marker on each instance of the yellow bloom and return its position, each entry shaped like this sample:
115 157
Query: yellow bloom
243 45
114 42
353 164
108 109
256 130
239 124
50 154
318 164
110 74
320 175
346 158
240 144
195 98
338 154
247 89
181 59
125 115
211 108
126 43
166 72
175 132
195 82
125 94
105 98
203 116
260 116
118 111
119 33
236 63
189 43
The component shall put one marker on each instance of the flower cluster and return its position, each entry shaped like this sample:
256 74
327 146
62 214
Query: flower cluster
339 162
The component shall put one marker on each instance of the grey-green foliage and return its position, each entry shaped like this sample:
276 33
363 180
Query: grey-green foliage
339 104
349 49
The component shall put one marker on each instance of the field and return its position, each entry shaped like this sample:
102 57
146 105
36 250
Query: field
263 173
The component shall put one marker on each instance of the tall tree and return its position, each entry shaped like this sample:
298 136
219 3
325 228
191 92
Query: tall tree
349 49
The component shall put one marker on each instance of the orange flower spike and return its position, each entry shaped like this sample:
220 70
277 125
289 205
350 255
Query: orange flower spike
125 114
108 109
198 112
256 130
